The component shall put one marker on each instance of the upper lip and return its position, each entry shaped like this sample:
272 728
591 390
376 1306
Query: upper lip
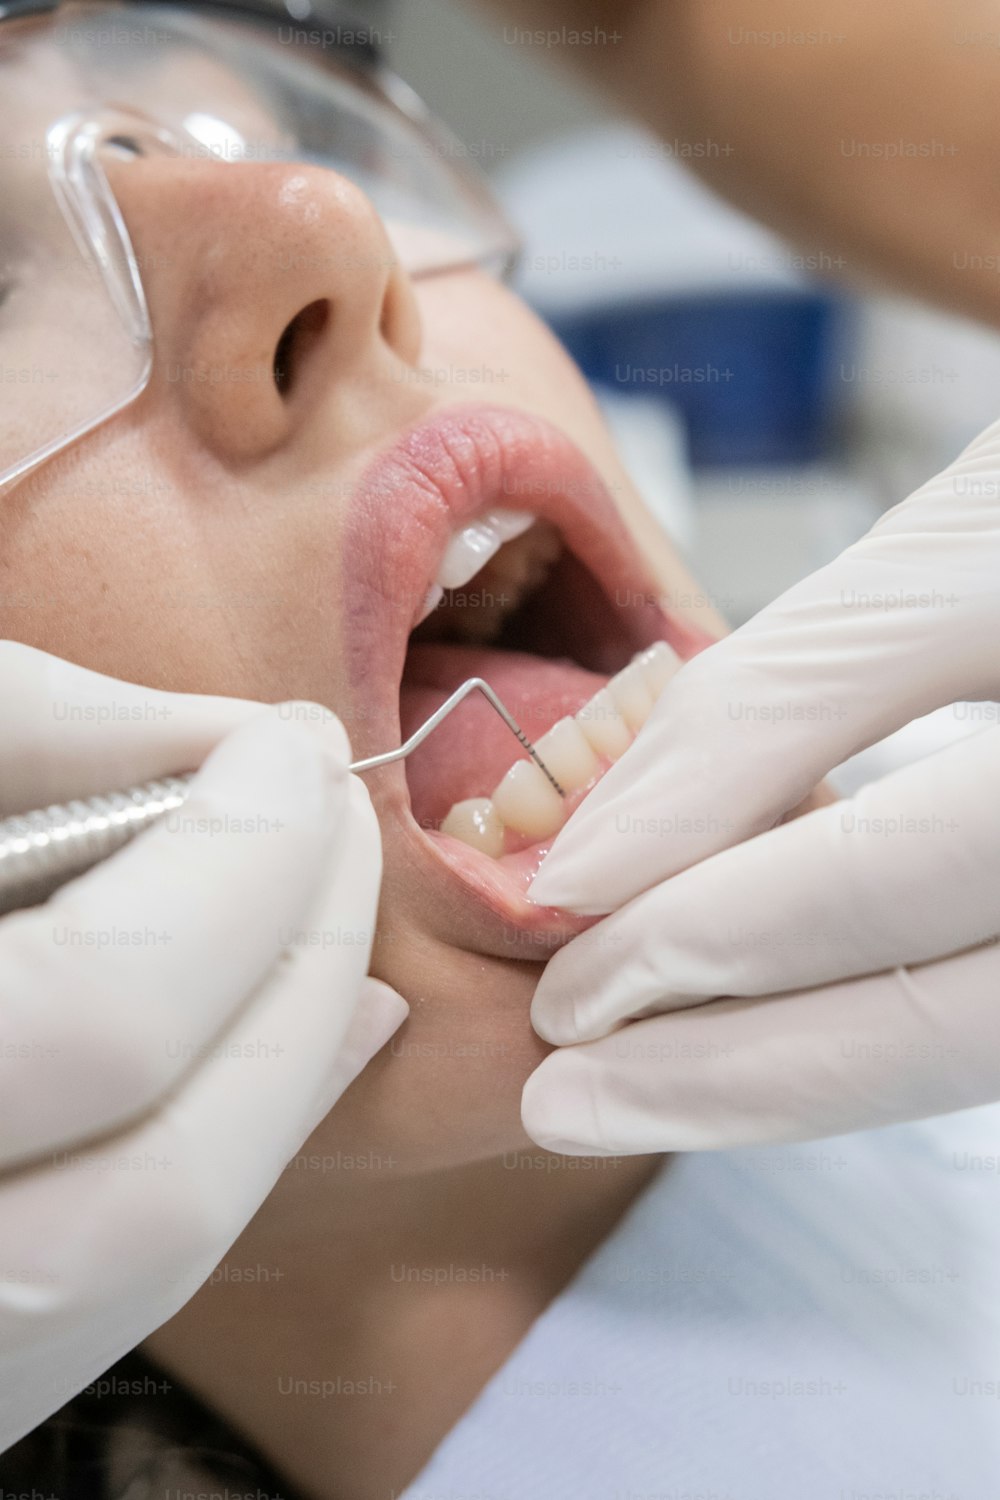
438 475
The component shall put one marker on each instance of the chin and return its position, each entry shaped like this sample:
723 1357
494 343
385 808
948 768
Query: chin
445 1092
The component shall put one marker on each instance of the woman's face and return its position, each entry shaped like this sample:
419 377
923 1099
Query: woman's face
266 521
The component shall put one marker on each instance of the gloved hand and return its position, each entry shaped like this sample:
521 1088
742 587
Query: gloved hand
170 1029
900 885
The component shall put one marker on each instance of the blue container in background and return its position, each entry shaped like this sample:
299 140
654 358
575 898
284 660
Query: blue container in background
753 373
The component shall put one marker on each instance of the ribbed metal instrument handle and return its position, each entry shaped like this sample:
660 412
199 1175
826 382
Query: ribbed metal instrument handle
40 851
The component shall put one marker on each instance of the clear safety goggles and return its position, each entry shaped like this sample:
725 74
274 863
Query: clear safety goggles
215 83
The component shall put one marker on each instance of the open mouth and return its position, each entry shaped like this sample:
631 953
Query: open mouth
501 556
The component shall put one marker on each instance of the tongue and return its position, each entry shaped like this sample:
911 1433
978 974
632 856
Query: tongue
473 749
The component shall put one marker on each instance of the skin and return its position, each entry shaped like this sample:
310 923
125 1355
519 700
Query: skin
211 515
195 542
190 477
789 116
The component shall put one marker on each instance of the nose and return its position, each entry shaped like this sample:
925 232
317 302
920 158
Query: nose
273 293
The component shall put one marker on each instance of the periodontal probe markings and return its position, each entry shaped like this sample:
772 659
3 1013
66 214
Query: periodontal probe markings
471 685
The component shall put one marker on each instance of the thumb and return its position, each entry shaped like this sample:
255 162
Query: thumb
69 732
899 624
379 1015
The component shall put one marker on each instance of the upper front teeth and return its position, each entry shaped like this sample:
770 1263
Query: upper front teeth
432 599
471 548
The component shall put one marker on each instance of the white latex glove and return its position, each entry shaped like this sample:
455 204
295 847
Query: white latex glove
171 1026
884 886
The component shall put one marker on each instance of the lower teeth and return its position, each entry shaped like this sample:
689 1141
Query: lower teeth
525 801
602 723
477 823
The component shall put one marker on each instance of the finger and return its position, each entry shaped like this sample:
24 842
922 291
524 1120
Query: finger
898 625
851 1056
155 1207
323 971
73 733
906 871
380 1012
110 989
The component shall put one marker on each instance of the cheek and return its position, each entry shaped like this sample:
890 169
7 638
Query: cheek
99 545
128 556
481 343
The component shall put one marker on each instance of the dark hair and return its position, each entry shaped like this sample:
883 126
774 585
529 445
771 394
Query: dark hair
135 1434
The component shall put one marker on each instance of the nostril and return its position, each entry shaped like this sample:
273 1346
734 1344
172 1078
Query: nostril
390 313
126 146
399 321
293 348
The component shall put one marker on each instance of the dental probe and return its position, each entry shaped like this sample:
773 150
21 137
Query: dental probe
42 850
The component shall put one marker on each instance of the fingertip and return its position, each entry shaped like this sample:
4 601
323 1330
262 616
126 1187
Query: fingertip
553 1014
322 727
556 1113
386 1005
545 892
552 890
379 1013
293 755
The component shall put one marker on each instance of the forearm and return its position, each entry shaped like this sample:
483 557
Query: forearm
866 132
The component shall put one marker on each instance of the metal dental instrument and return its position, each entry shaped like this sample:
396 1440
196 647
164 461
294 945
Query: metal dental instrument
42 850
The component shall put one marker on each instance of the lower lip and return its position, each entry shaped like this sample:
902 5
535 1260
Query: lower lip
501 885
512 874
500 918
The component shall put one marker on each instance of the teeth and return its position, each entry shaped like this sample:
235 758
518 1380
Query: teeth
603 726
659 664
472 547
568 755
573 749
477 823
432 599
633 695
528 802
